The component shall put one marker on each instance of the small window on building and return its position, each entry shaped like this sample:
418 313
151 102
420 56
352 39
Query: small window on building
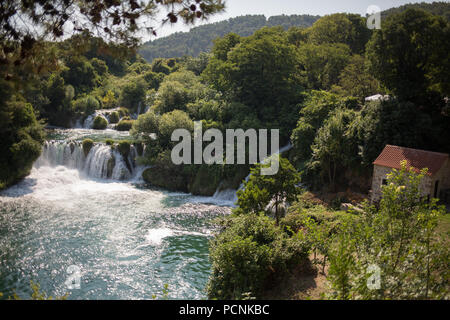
384 182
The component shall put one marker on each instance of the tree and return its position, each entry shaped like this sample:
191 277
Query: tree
356 81
410 56
260 190
178 90
389 122
115 21
399 239
261 73
26 51
146 125
133 94
334 148
80 74
248 252
85 105
58 109
171 121
322 64
200 39
315 110
109 100
349 29
22 137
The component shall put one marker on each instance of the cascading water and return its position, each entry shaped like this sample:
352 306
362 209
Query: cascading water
127 241
230 194
101 162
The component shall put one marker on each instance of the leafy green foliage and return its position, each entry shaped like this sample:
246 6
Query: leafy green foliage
177 90
389 122
249 249
171 121
199 39
22 138
356 81
87 145
424 69
85 105
133 94
322 64
114 117
349 29
100 123
334 148
124 125
316 109
399 238
260 72
124 148
260 189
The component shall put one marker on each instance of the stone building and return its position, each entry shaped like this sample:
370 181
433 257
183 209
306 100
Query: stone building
436 183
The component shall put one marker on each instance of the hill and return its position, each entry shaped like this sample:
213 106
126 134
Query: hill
440 8
200 39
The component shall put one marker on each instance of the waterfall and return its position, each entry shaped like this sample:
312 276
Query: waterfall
104 113
230 194
102 161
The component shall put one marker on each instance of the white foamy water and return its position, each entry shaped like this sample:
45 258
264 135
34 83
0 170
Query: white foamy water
156 236
127 240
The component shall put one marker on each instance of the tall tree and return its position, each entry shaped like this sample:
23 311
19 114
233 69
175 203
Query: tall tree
345 28
409 55
261 190
261 72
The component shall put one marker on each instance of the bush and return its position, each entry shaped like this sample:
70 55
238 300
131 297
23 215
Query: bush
100 123
123 112
114 117
124 125
164 174
251 250
398 238
109 142
87 146
86 105
21 139
124 148
146 123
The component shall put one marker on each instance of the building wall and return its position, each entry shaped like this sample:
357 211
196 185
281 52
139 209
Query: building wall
380 173
443 176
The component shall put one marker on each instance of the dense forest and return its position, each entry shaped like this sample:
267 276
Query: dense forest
308 77
199 39
440 8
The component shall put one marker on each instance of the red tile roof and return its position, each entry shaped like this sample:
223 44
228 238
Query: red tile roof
391 156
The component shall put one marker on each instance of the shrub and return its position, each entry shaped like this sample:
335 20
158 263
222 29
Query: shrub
124 148
124 125
87 146
86 105
109 142
21 138
398 238
250 251
123 112
146 124
114 117
100 123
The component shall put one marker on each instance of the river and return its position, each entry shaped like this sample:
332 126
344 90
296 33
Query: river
126 239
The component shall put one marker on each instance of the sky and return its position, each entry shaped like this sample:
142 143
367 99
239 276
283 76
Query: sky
269 8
